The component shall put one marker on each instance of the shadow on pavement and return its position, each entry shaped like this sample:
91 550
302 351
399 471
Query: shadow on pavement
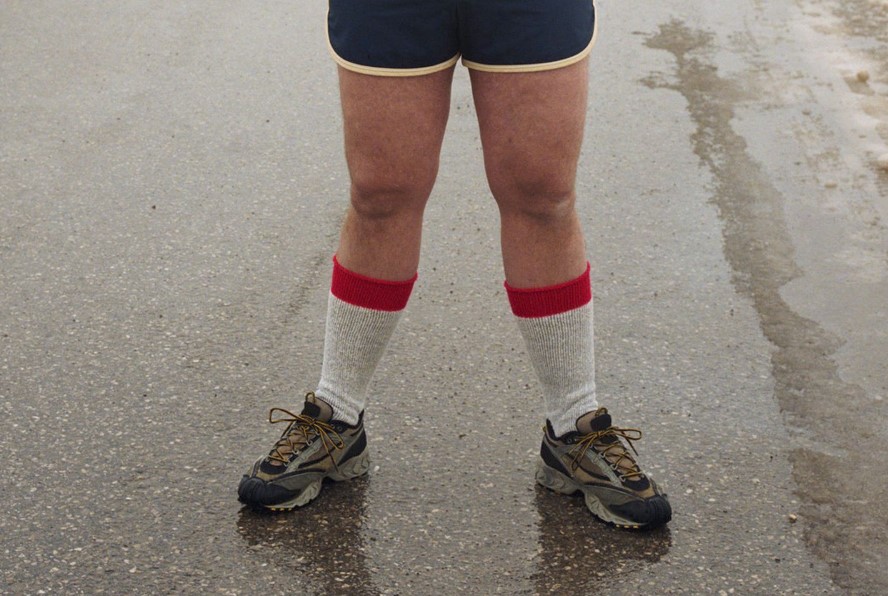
580 554
322 545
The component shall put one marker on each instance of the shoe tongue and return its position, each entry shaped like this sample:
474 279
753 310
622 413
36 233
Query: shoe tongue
317 408
594 421
292 440
600 420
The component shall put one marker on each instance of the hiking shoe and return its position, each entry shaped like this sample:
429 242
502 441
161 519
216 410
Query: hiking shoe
595 461
313 447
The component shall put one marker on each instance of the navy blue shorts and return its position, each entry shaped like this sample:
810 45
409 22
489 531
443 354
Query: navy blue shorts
414 37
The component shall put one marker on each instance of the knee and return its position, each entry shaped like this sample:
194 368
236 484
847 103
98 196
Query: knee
541 196
379 196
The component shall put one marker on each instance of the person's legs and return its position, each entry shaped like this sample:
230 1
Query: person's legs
393 133
531 129
393 128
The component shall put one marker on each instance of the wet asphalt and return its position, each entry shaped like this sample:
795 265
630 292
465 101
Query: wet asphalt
171 186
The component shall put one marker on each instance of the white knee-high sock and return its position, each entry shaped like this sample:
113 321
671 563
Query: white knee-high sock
362 314
557 327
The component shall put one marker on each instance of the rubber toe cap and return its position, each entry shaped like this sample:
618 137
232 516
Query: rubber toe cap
649 513
254 491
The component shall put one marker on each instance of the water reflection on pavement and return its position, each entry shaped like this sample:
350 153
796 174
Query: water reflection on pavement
322 545
325 547
579 554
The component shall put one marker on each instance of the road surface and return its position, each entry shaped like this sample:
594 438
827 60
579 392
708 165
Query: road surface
171 186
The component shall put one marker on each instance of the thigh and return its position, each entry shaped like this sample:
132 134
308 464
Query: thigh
394 126
531 128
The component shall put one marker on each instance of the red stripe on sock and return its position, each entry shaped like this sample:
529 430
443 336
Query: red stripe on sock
366 292
552 300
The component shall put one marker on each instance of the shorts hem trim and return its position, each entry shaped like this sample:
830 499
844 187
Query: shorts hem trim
391 72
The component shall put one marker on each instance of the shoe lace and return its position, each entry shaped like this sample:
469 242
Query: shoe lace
614 451
299 434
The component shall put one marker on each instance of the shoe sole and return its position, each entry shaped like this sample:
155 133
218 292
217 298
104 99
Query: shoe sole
558 482
356 466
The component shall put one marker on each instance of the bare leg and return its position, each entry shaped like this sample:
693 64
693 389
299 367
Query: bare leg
394 127
532 129
393 133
